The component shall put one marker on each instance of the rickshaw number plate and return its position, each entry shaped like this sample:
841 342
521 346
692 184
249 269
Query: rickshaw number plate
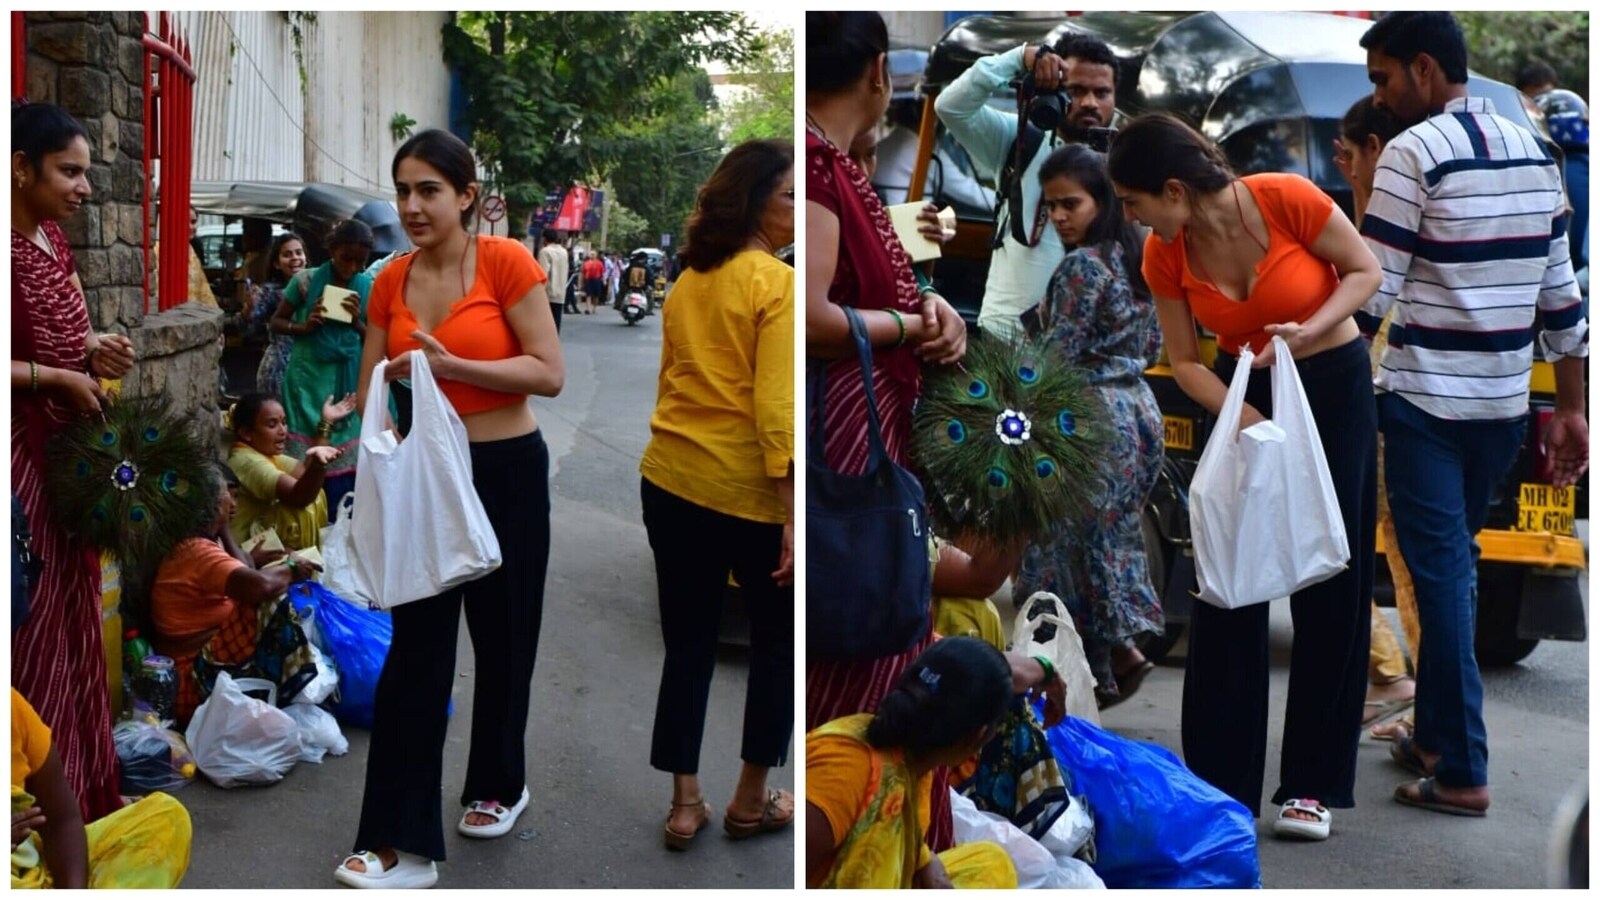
1545 508
1180 435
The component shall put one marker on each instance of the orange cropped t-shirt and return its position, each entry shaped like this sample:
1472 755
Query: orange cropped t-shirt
1291 282
475 327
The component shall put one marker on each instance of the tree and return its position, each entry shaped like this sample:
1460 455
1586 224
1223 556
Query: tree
1500 43
767 109
627 229
669 154
548 93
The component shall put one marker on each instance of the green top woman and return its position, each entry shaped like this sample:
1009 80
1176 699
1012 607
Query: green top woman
328 327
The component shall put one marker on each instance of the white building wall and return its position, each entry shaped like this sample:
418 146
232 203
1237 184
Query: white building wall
252 122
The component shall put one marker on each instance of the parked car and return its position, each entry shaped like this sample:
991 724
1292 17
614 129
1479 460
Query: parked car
1270 88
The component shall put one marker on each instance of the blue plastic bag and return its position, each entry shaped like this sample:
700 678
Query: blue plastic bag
1156 824
357 639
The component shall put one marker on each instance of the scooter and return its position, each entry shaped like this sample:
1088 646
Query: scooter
634 307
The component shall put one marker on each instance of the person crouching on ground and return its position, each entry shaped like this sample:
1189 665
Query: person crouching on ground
279 491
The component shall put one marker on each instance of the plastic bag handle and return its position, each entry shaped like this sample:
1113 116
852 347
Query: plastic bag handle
376 413
1233 404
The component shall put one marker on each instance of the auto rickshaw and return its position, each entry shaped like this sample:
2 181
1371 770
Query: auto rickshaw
1270 88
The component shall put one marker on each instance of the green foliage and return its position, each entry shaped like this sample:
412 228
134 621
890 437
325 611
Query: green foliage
400 126
1500 43
550 94
767 111
1001 487
668 154
626 229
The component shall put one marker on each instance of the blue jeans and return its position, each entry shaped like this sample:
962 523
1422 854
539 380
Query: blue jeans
1441 476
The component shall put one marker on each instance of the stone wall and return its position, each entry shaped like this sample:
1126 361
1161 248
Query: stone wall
92 65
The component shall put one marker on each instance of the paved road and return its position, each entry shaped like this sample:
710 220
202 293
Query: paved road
597 810
1538 719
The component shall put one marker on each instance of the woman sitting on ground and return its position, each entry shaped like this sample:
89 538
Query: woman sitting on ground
869 777
208 593
279 491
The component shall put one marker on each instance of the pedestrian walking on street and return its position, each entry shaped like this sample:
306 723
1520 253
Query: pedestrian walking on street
476 306
288 260
1448 193
553 257
718 485
57 660
1249 259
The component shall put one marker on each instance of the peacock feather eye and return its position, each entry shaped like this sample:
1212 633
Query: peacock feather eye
998 479
152 434
1067 422
1028 375
108 438
99 513
956 431
1044 467
978 389
169 481
138 514
82 468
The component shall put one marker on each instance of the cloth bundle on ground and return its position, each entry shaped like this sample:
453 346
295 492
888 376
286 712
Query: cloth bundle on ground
1157 825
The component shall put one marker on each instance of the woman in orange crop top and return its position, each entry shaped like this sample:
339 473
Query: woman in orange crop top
475 306
1250 258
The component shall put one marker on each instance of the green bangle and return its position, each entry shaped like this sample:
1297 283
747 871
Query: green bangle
1049 669
901 322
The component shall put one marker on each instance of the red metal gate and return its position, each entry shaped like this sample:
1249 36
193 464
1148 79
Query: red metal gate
169 139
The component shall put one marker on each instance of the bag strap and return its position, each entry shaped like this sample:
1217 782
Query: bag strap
877 453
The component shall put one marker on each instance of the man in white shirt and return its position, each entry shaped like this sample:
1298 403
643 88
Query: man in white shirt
553 259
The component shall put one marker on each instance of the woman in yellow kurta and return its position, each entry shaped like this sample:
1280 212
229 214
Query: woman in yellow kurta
717 485
869 777
276 490
142 845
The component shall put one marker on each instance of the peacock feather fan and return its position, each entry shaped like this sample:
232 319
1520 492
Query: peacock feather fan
1010 442
134 483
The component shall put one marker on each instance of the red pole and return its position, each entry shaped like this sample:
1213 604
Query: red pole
180 181
150 137
19 55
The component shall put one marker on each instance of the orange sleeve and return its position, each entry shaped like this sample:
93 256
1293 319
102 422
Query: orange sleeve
1301 208
383 292
515 272
30 740
209 566
1160 268
837 771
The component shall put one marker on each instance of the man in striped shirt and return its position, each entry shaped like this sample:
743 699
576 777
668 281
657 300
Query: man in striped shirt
1469 222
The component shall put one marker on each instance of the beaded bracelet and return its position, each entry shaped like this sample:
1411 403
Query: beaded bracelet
901 322
33 375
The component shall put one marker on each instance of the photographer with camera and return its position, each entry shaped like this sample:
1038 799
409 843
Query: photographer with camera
1069 94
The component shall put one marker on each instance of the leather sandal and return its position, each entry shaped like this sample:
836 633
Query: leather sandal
739 829
1407 755
677 840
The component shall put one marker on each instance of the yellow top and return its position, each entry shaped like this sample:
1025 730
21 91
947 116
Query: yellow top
297 527
723 427
30 740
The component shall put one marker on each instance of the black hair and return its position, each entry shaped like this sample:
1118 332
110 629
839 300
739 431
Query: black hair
728 208
1365 119
1088 169
225 472
247 409
40 129
956 686
349 231
550 237
1403 35
840 46
1092 50
446 153
274 274
1156 147
1535 74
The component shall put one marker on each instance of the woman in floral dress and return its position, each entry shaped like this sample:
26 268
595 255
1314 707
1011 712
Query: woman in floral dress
1098 310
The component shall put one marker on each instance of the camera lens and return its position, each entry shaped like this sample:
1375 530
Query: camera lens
1047 110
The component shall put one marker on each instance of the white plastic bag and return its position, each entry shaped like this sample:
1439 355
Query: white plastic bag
1064 650
1036 866
237 739
342 571
418 528
1070 831
319 732
1262 509
321 687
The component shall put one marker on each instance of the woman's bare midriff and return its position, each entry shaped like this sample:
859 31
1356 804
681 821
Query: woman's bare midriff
501 423
1337 336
